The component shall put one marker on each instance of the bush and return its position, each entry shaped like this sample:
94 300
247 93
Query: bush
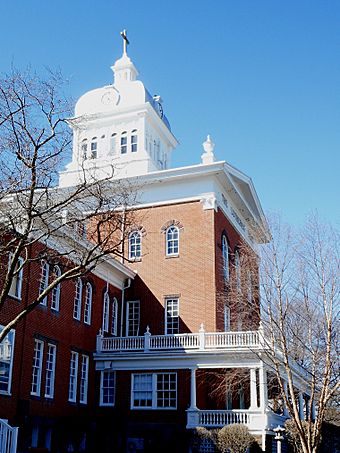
232 438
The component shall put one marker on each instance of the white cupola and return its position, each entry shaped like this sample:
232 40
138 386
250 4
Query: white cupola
120 130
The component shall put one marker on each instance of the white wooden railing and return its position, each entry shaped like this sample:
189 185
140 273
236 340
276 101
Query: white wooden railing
8 437
214 418
203 341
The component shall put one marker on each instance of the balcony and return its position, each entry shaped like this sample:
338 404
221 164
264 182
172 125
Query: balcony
200 341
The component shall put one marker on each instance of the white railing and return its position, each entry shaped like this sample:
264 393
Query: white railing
201 341
8 437
211 418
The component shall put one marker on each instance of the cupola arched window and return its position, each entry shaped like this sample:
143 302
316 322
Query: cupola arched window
238 270
172 241
84 149
88 304
134 141
55 302
113 143
123 143
77 299
44 280
94 148
225 257
135 245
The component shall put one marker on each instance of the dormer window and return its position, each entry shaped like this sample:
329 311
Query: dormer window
84 149
94 148
134 141
123 143
113 143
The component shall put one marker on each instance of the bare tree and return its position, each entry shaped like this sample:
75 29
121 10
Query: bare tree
74 227
300 301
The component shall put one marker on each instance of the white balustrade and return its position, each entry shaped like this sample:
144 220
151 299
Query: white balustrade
186 341
8 437
215 418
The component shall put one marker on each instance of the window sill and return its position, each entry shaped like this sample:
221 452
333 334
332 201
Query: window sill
172 256
13 296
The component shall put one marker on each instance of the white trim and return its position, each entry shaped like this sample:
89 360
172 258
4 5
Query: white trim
55 296
17 279
88 304
128 304
78 299
45 271
166 326
154 391
52 370
38 354
73 377
84 378
2 347
111 372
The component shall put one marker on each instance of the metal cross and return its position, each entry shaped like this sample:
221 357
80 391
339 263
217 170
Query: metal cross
125 40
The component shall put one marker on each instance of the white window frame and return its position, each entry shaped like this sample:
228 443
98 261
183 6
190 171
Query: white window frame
88 303
73 377
107 391
132 318
45 270
94 148
123 143
38 355
134 141
114 323
225 257
237 270
16 284
78 296
153 391
84 379
51 358
106 312
135 245
55 297
171 315
7 356
226 318
83 148
113 143
172 241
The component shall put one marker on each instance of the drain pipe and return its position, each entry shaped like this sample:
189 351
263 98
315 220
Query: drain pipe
126 285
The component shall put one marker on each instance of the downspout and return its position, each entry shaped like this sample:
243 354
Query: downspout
122 237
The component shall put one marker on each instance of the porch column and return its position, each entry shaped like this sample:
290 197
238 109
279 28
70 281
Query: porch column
193 389
253 389
301 402
285 389
263 387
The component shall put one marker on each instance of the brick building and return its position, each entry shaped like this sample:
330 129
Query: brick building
189 313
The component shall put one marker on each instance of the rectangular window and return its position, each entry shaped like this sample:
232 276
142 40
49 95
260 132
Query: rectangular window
132 318
133 143
50 370
123 144
72 390
44 280
16 284
84 379
93 150
171 316
155 391
6 362
107 388
37 367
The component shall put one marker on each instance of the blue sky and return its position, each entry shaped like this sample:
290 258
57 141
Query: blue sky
261 76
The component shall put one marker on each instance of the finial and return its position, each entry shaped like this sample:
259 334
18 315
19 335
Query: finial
208 155
125 41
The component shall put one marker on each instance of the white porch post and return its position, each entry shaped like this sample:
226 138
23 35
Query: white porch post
301 401
193 389
263 387
253 389
285 409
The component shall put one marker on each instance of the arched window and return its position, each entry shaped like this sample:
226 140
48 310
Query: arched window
44 280
134 141
94 148
113 143
135 245
172 240
123 143
106 308
114 317
55 302
238 270
77 299
225 258
88 304
84 149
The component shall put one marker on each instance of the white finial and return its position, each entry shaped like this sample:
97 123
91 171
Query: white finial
125 41
208 155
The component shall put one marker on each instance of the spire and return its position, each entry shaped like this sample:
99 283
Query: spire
208 155
124 70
